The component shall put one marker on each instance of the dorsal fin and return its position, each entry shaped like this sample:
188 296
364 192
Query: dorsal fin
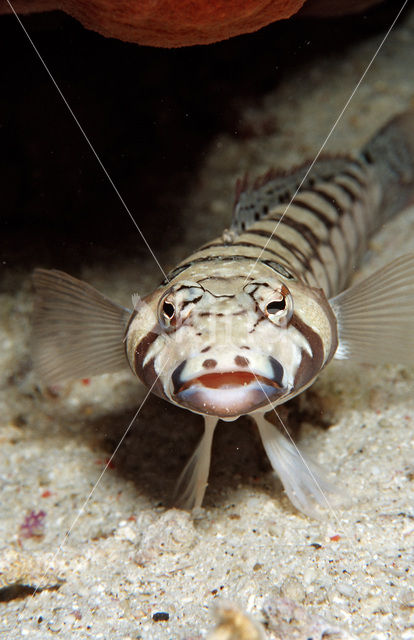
254 201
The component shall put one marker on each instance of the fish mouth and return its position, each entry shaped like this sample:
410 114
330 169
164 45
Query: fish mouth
228 380
227 394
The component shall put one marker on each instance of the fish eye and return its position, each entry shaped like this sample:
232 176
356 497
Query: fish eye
275 302
276 305
168 310
167 313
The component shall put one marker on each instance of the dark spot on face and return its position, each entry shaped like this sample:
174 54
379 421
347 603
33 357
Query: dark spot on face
205 349
210 363
368 157
176 376
245 347
241 362
277 370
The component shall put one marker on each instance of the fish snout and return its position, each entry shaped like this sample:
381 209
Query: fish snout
227 386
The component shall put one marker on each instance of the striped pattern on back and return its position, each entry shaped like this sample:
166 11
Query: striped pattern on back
319 237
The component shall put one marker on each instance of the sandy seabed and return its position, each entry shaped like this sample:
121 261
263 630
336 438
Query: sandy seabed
103 567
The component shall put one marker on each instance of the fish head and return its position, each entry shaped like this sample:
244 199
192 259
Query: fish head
227 346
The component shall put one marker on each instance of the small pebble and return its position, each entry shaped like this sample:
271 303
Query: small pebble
293 589
346 590
384 423
160 616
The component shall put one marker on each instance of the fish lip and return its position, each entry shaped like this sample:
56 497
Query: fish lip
208 379
230 399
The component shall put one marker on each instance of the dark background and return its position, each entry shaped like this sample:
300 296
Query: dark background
150 113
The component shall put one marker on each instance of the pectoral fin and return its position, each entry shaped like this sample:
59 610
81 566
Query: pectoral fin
194 477
303 481
376 316
77 332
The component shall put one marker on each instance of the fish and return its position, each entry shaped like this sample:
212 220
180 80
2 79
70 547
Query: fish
249 320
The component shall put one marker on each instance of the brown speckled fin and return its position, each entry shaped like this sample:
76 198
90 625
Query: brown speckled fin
376 317
77 332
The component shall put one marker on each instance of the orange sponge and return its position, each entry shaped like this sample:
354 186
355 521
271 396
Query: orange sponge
169 23
179 23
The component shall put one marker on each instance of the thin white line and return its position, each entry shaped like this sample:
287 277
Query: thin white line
328 136
83 507
87 139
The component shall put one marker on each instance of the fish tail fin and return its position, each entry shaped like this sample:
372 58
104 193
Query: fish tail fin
391 154
77 332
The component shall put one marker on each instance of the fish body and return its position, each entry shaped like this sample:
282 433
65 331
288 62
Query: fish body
250 319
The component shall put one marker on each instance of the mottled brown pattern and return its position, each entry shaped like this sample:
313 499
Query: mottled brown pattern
147 373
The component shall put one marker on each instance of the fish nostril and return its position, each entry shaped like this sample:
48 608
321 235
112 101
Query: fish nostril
241 362
209 363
